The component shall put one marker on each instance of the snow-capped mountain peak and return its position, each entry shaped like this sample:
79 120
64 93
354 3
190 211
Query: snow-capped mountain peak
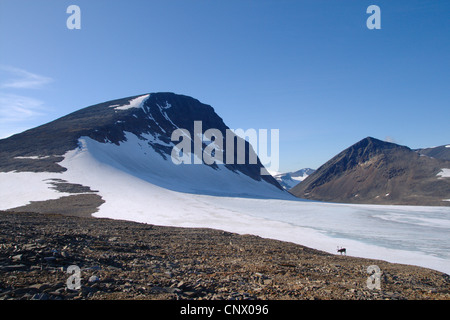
289 180
134 135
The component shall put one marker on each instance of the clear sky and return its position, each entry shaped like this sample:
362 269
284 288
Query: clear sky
310 68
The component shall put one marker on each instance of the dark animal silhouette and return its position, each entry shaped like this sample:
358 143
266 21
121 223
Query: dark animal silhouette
342 250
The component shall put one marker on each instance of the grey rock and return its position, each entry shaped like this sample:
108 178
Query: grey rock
190 294
13 267
51 258
39 286
17 257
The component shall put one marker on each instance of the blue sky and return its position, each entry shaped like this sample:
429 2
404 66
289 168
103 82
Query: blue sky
311 69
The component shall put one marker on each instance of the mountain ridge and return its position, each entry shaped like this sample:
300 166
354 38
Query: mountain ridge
440 152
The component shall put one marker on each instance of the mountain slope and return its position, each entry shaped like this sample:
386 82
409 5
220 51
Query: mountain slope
133 135
378 172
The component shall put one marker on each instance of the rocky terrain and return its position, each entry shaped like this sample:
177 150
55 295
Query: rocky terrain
125 260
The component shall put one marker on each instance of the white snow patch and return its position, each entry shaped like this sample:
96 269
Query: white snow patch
447 146
164 114
133 103
32 157
274 173
146 164
444 173
155 139
166 106
300 178
20 188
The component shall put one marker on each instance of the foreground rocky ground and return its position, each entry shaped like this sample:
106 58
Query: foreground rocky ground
125 260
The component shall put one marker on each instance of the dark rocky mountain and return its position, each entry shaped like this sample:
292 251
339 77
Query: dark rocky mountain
441 152
41 149
378 172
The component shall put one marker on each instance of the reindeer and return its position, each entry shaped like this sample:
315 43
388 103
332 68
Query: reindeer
342 250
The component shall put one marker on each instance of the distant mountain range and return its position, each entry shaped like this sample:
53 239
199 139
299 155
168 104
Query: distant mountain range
378 172
441 152
289 180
